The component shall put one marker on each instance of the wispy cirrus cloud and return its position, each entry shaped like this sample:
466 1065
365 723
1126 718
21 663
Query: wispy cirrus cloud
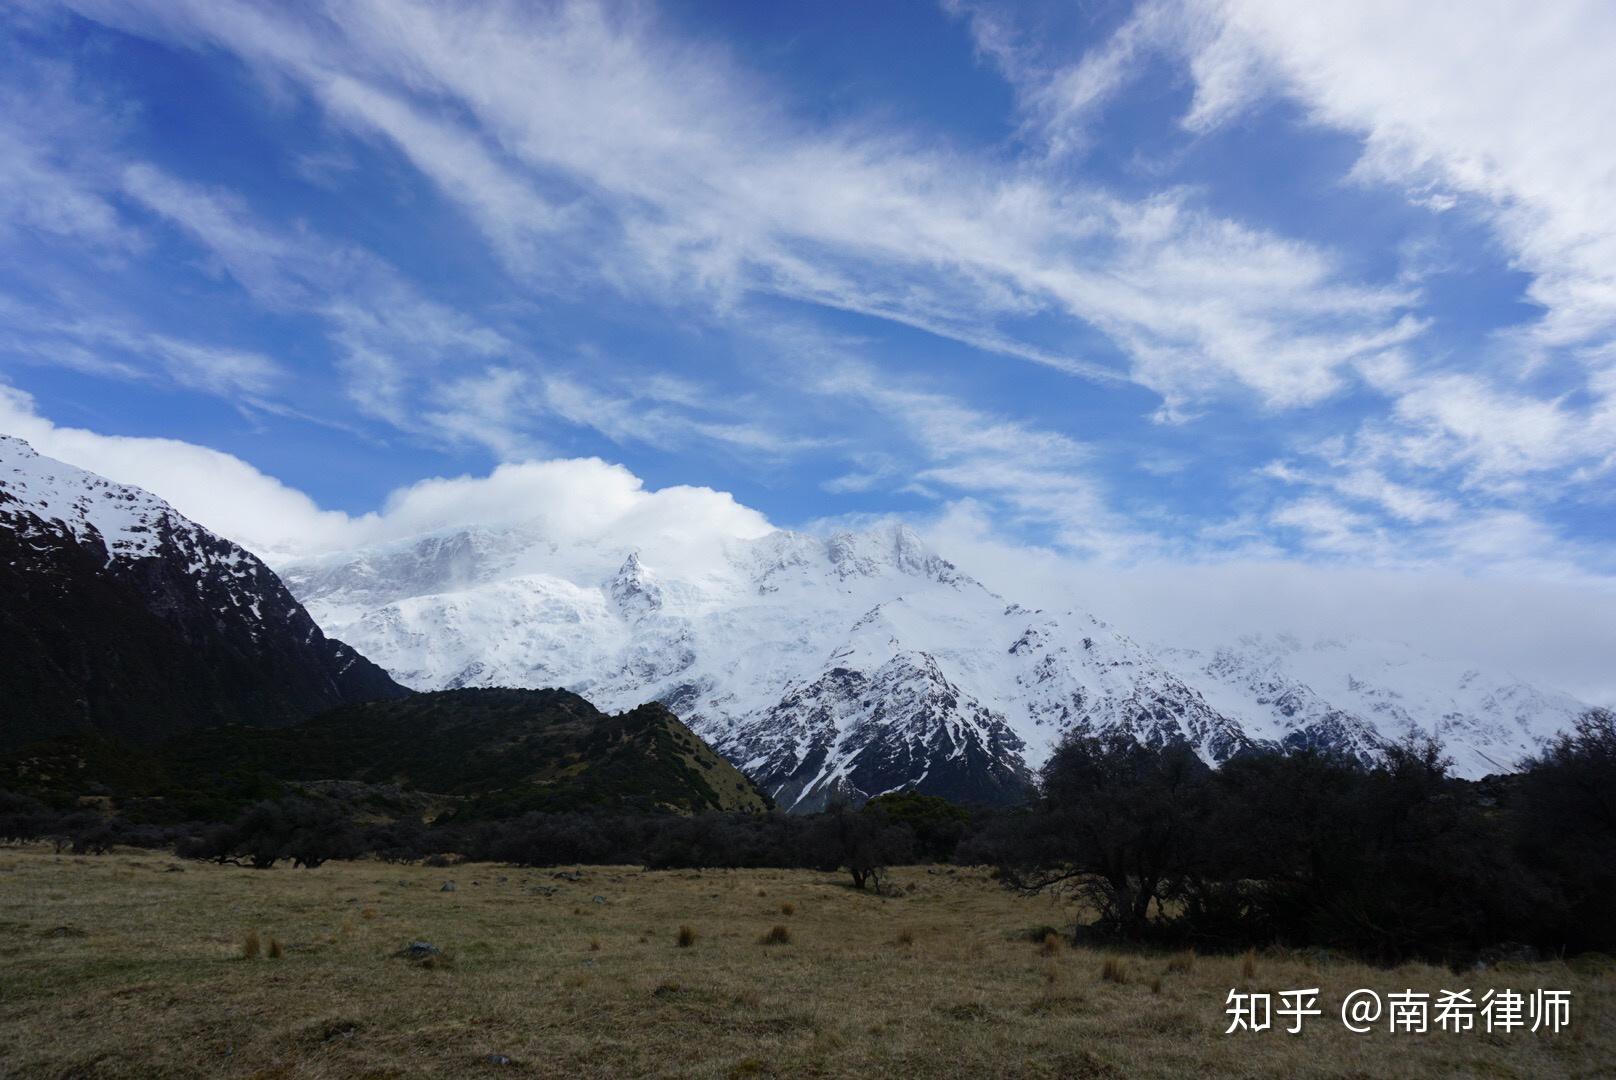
610 157
662 160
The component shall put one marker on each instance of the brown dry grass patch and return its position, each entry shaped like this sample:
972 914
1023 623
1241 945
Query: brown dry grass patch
157 988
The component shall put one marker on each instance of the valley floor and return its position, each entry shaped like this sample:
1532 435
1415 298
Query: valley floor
118 966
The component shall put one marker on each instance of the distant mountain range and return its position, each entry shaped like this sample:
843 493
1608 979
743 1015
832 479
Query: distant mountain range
862 663
823 667
120 615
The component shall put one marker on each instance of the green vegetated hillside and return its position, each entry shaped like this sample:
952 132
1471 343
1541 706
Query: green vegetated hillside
476 753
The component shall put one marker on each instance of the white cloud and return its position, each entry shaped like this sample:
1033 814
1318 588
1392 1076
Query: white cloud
53 175
664 412
1554 628
1497 108
679 173
390 339
216 489
1501 101
105 347
1491 108
1032 475
565 500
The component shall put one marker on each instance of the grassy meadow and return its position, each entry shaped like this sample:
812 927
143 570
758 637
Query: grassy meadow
123 966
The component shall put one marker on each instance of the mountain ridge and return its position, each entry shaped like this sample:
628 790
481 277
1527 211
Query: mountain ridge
119 614
847 665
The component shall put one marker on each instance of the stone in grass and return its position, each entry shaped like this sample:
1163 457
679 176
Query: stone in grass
448 886
419 950
600 899
498 1059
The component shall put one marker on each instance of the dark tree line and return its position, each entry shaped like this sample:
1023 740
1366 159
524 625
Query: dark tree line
1391 861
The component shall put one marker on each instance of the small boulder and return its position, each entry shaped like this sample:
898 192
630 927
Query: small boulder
600 899
448 886
418 950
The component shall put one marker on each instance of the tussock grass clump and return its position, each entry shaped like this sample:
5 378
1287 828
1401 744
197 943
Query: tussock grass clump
1181 964
1114 971
777 935
1156 985
251 946
275 952
788 908
906 938
687 936
1248 964
1050 945
594 944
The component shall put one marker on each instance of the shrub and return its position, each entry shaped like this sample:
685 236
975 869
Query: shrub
275 951
777 935
1050 945
687 936
906 937
251 946
1248 964
1181 964
788 908
1114 971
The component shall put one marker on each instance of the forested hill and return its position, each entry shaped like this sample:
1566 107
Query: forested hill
486 753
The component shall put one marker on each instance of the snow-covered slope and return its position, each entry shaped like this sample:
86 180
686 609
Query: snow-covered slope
120 614
1359 693
863 662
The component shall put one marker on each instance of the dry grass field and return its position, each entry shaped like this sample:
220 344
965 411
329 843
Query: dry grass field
119 966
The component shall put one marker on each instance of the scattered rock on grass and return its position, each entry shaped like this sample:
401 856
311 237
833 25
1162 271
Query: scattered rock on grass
418 950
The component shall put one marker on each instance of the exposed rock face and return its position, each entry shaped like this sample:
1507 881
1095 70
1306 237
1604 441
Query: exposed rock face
120 615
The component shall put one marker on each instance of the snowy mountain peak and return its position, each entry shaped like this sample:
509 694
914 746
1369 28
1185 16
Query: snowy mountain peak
128 521
894 547
633 590
120 614
859 662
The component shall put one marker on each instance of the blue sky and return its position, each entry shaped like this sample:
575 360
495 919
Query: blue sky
1180 283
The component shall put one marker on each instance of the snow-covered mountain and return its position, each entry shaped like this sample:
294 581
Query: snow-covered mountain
118 613
863 662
